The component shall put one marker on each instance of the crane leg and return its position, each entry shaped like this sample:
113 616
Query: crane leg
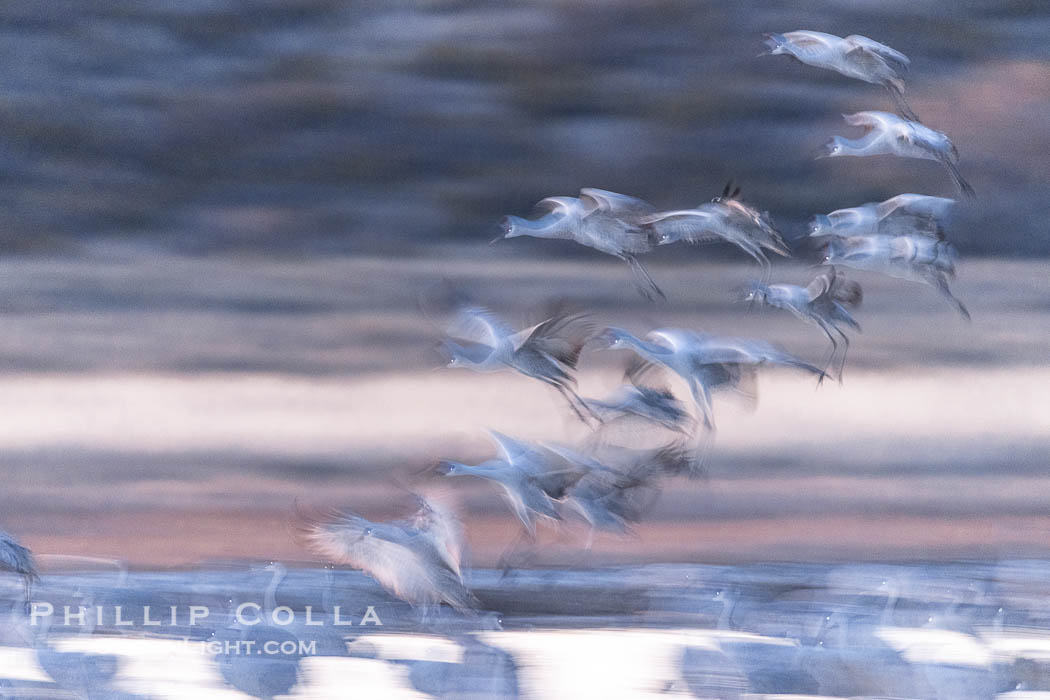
644 281
842 362
834 349
578 405
940 283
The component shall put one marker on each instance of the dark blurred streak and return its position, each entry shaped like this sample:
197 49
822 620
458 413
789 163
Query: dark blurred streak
319 125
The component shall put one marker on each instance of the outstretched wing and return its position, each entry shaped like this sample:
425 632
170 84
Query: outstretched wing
834 286
378 550
638 372
741 379
404 563
915 205
914 213
690 225
612 497
444 530
620 205
895 58
478 324
561 337
921 204
674 459
809 42
14 557
873 121
675 339
512 450
561 470
564 206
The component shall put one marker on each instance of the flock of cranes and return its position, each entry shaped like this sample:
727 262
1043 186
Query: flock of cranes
610 486
420 559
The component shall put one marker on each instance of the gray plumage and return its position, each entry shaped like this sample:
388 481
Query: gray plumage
706 362
416 560
823 303
654 404
605 221
915 258
888 134
854 56
548 351
903 214
619 488
725 218
18 560
533 477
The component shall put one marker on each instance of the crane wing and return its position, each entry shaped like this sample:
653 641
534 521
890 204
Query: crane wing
621 205
871 121
874 48
15 557
514 451
478 324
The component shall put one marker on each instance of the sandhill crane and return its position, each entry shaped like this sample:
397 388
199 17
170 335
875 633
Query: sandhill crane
724 218
416 560
618 488
273 666
886 133
823 303
905 213
599 219
533 477
84 674
644 400
854 56
916 258
705 361
481 341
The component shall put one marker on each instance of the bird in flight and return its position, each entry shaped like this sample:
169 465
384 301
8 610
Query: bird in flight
605 221
854 56
549 351
888 134
822 302
416 560
706 362
534 477
905 213
917 258
724 218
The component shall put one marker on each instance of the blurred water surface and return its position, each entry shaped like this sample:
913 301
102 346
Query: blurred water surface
972 629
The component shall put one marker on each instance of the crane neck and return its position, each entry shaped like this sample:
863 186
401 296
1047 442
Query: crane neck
725 620
270 600
891 604
857 146
543 227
